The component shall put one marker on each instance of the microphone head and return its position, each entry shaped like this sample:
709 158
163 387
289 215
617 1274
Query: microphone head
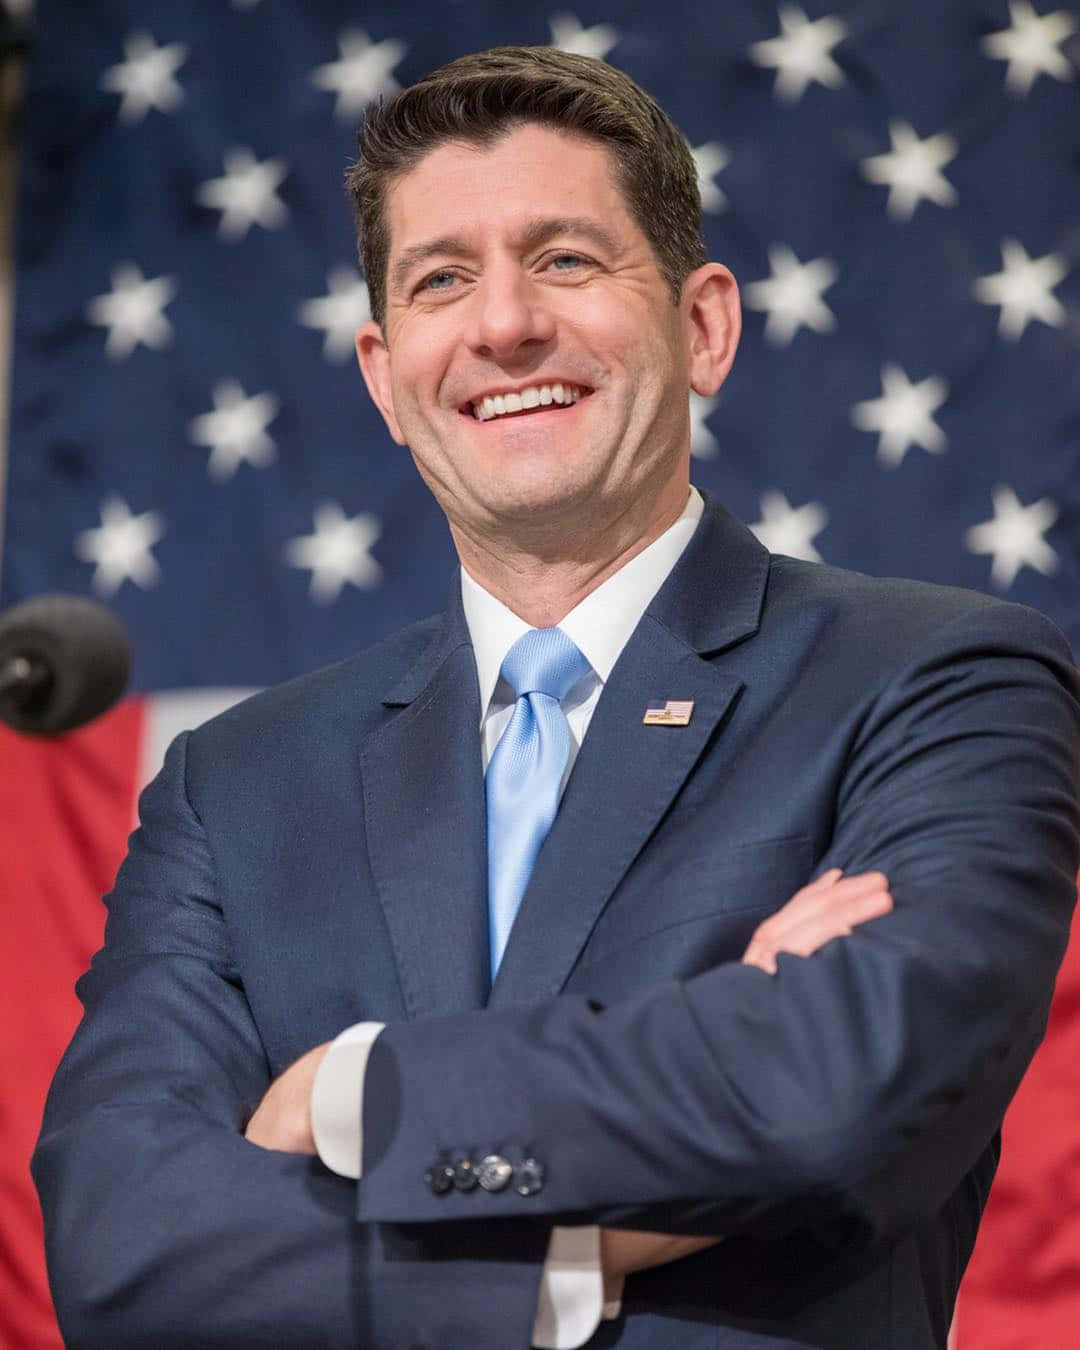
80 657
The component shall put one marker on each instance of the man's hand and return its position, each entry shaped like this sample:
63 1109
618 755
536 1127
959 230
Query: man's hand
830 907
624 1250
827 908
282 1120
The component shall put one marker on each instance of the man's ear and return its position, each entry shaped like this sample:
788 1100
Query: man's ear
710 301
374 359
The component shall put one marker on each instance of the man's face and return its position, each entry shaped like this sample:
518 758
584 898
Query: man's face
514 270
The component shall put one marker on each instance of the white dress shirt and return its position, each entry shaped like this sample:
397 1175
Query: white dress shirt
571 1301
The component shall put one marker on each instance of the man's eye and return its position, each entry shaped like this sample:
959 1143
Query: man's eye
566 262
437 281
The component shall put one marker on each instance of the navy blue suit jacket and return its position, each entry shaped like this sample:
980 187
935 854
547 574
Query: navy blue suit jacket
316 857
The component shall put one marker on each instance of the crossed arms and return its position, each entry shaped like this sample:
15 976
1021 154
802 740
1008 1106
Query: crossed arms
829 907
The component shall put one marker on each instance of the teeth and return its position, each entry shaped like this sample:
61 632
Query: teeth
538 396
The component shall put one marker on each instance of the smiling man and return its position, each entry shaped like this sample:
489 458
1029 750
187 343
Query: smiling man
533 360
533 977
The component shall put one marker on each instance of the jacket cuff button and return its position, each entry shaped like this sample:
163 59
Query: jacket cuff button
439 1178
528 1177
493 1172
465 1177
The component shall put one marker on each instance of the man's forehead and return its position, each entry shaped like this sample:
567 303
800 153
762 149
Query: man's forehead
521 185
467 165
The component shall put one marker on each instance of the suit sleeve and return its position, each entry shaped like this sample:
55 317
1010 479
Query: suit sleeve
164 1227
853 1090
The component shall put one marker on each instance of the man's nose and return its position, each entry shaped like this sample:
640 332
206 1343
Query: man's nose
508 312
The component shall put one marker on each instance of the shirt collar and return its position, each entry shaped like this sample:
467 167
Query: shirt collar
601 624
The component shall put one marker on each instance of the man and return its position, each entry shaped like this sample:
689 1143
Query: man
550 1068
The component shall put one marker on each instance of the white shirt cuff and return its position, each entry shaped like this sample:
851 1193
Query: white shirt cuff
571 1301
337 1099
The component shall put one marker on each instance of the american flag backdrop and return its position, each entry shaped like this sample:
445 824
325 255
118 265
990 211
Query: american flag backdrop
894 183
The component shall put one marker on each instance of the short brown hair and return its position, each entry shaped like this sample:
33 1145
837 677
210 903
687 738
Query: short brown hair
480 97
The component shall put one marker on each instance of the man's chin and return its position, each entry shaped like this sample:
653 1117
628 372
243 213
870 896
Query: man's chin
536 505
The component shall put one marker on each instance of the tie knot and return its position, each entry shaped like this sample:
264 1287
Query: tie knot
544 661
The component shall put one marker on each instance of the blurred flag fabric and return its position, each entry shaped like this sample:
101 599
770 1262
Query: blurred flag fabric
895 184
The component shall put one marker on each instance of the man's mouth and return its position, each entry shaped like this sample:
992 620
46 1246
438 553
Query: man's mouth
521 402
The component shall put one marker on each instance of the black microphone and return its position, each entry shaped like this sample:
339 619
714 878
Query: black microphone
63 661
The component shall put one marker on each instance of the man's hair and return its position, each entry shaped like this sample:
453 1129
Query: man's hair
481 97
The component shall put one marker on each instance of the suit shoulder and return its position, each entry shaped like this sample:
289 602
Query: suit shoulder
346 693
903 614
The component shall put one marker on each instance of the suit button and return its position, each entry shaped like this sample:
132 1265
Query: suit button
528 1177
439 1178
465 1177
493 1172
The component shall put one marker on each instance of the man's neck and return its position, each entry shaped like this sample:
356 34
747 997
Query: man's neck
543 582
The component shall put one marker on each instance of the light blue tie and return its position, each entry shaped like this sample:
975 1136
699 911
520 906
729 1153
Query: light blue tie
526 770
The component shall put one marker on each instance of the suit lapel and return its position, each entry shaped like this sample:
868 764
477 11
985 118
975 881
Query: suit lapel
628 774
426 833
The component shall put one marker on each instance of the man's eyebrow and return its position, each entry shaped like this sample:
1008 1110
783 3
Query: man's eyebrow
541 230
535 233
448 244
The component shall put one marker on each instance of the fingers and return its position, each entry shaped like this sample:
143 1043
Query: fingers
832 906
282 1120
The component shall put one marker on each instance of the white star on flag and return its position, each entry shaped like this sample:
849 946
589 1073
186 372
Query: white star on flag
1031 46
247 194
703 444
120 547
709 160
1023 289
236 430
568 35
1015 537
337 552
362 73
145 79
132 311
792 295
339 313
801 54
788 529
903 415
912 170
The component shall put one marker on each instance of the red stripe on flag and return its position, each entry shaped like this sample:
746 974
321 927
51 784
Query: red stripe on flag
1022 1289
66 810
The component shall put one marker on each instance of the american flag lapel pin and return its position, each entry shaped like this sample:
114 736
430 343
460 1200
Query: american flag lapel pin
668 712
